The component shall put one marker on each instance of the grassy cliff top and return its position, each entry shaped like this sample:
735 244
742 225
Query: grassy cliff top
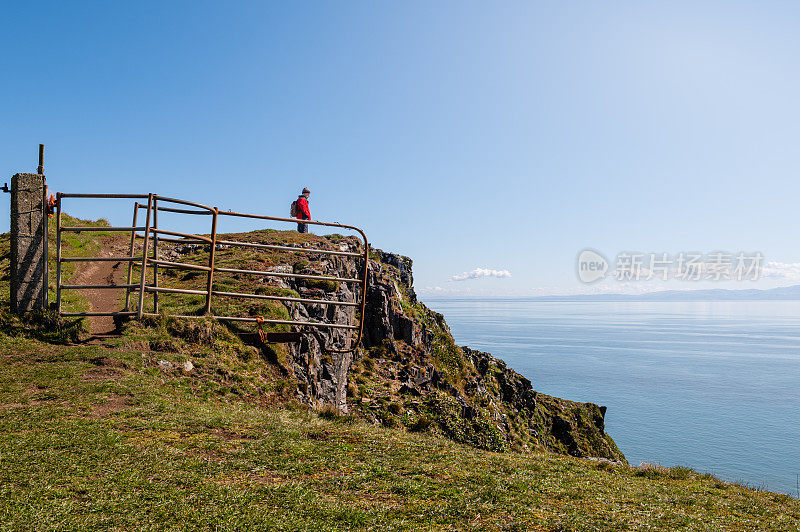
96 437
179 424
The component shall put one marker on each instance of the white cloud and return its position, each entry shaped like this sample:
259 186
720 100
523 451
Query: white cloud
431 289
481 272
781 270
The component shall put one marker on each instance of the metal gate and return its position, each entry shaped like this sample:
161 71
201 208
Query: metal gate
151 235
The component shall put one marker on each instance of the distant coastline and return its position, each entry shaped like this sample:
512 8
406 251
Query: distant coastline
783 293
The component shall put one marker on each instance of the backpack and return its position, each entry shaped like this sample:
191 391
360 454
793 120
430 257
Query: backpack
293 209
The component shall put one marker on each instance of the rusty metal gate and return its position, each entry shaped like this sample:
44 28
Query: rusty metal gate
151 235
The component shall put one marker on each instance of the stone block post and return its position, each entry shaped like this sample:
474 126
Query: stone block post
28 243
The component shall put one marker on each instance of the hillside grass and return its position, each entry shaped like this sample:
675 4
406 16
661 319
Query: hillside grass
92 437
122 436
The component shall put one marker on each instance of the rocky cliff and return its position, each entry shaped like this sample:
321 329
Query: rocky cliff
408 371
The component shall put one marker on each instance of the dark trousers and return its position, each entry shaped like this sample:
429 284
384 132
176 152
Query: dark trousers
302 228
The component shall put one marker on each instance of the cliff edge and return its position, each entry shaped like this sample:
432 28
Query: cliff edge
406 372
410 372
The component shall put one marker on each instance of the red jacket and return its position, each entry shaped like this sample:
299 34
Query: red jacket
303 212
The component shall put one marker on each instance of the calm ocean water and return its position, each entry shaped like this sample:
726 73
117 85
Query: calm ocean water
714 386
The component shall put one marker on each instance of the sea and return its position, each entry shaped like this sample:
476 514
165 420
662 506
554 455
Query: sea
711 385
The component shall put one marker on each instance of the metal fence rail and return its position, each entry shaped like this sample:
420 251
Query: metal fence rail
151 233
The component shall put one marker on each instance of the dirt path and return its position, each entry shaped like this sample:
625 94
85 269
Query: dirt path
103 272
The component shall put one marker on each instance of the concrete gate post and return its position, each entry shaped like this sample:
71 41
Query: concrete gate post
28 243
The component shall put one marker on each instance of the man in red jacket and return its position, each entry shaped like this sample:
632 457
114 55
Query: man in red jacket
303 212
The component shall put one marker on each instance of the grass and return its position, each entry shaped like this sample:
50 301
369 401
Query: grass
92 437
122 436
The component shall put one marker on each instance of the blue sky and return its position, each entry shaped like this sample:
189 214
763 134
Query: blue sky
501 136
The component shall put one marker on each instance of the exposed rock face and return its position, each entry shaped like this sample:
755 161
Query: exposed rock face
324 377
408 371
385 317
321 370
556 424
403 266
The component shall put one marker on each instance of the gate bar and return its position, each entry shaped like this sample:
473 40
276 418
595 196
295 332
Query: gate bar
58 252
144 256
176 240
155 253
292 275
185 235
282 298
292 220
93 228
104 196
102 259
151 288
130 264
179 265
96 286
277 322
289 322
287 248
211 254
179 211
81 314
184 202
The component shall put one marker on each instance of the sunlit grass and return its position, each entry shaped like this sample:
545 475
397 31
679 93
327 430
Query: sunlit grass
91 437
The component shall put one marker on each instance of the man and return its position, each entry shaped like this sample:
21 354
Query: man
303 212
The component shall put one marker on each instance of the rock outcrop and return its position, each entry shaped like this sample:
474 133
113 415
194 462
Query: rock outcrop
408 371
316 361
